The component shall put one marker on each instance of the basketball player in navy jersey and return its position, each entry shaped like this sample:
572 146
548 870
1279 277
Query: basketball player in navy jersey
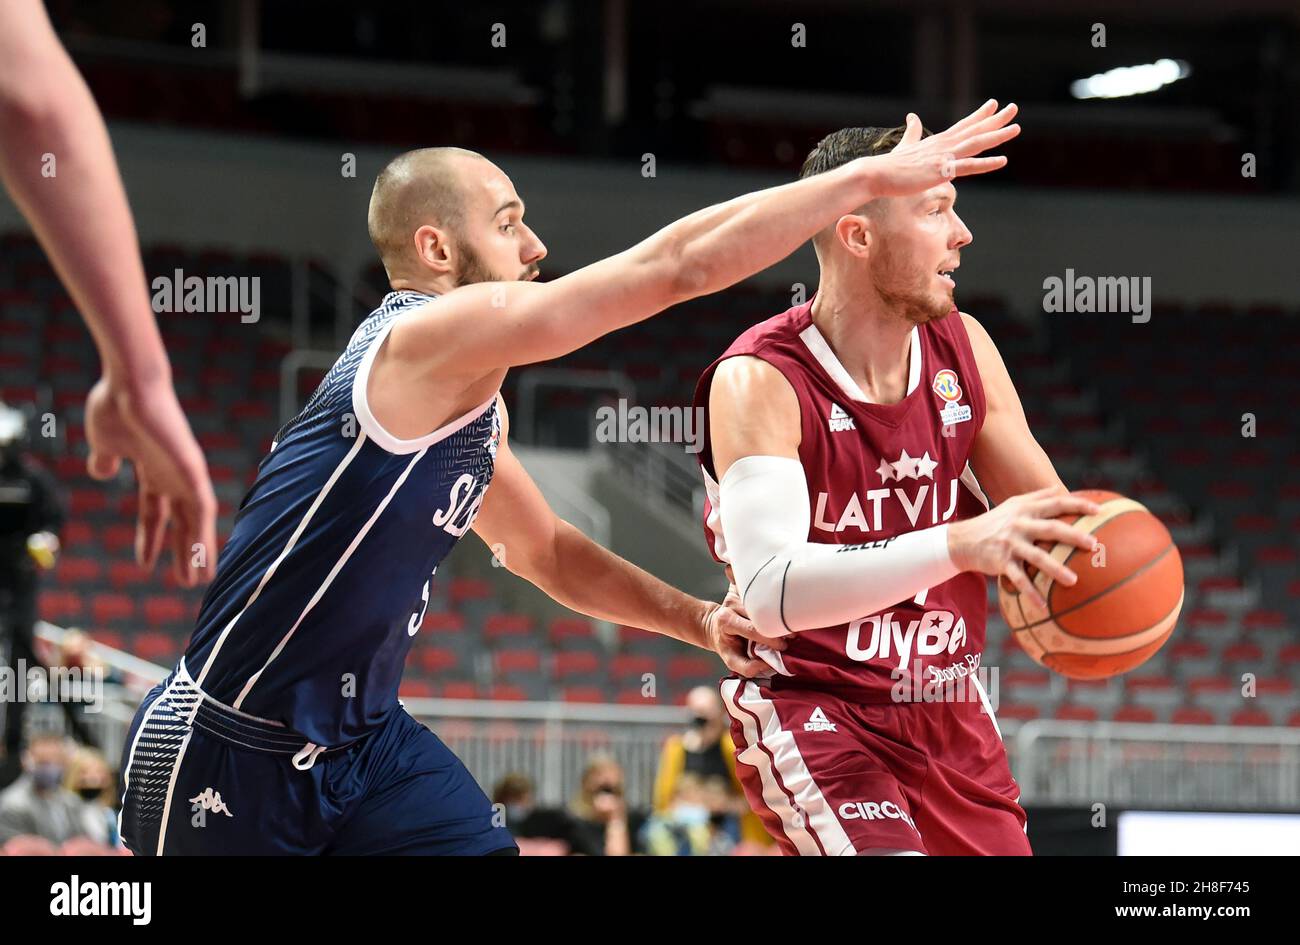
850 446
280 730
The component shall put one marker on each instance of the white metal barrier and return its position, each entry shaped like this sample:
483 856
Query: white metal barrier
1055 762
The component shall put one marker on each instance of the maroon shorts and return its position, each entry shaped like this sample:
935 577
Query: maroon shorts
830 777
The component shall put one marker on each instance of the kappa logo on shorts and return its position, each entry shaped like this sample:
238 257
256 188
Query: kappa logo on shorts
872 810
840 421
210 800
817 722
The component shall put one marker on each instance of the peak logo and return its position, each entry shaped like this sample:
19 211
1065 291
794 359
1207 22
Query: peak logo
839 420
817 722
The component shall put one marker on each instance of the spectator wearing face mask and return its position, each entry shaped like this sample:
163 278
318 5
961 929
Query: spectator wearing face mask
603 824
706 752
688 827
90 778
37 804
537 830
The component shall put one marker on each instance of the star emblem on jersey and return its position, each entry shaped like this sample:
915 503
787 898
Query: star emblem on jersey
840 421
817 722
907 467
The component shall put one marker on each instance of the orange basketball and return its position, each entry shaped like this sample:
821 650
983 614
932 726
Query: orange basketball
1124 605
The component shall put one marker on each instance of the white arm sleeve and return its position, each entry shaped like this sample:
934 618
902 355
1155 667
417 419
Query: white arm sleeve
788 583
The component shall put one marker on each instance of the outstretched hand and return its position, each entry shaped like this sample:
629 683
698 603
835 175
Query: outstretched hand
152 432
916 164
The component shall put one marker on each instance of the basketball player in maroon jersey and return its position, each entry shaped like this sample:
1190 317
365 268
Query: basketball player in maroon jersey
850 444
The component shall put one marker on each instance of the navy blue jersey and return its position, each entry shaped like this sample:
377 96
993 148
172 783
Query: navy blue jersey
325 579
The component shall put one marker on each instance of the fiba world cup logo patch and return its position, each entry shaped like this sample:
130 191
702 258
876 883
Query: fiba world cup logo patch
949 391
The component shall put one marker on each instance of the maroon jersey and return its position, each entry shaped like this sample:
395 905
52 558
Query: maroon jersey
875 471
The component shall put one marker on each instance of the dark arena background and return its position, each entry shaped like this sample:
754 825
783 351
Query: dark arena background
1135 264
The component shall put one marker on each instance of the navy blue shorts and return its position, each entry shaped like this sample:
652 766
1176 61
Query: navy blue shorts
202 778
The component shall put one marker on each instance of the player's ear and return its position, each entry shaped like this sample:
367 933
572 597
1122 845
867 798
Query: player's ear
433 249
853 233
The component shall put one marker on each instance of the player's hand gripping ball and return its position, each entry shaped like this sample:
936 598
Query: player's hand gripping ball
1124 605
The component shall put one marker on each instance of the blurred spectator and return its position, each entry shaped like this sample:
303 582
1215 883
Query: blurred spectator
603 825
705 752
27 845
90 778
689 826
77 651
37 803
551 827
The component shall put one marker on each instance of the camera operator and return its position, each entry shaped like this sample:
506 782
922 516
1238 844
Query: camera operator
30 517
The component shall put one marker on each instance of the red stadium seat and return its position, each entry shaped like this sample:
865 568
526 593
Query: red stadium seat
1265 620
1189 650
1077 713
457 689
436 660
1210 684
84 502
466 589
59 606
443 622
499 627
76 534
119 538
1134 713
157 647
78 570
576 664
1243 652
516 661
564 629
111 608
583 694
1251 716
633 697
693 667
415 689
108 638
1019 711
125 574
1192 715
164 610
631 667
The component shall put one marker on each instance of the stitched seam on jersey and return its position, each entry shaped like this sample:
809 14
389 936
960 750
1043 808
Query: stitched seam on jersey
275 565
329 578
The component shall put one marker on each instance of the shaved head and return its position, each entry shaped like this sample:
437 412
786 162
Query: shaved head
418 188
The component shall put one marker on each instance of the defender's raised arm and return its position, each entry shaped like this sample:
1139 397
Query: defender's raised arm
495 325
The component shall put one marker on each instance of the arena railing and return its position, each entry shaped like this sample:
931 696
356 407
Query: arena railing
1055 762
1143 765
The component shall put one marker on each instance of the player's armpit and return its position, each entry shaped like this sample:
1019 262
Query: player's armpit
1005 456
515 521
